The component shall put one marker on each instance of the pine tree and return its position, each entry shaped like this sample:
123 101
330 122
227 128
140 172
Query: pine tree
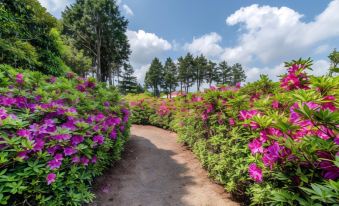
128 83
225 73
99 29
170 77
154 77
200 65
238 74
211 73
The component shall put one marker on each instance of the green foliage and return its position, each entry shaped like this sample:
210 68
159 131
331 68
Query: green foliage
154 77
26 39
100 31
128 84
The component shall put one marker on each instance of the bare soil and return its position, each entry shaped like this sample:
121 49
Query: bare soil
155 170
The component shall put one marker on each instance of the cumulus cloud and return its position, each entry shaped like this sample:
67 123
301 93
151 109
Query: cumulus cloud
207 45
127 10
145 46
271 34
320 67
55 6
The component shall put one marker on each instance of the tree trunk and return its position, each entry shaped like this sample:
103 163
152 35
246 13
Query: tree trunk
98 55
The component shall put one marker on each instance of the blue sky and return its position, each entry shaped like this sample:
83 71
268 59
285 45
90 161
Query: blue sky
261 35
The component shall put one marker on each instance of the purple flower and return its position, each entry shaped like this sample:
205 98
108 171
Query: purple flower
24 133
3 114
23 155
75 159
50 178
99 139
84 161
256 146
271 154
94 159
62 137
68 151
255 172
56 162
38 145
99 117
113 134
77 139
20 78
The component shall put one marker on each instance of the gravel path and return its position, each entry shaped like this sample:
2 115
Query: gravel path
157 171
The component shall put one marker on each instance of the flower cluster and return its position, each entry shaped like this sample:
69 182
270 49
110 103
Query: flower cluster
266 142
63 127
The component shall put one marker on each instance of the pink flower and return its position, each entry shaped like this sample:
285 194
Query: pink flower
238 85
255 172
20 78
231 121
275 104
50 178
256 146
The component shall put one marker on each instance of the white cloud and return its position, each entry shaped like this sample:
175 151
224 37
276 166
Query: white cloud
55 6
127 10
207 45
320 67
145 46
272 34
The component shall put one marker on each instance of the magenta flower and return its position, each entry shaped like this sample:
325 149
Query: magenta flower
62 137
3 114
68 151
24 133
231 121
56 162
75 159
99 139
50 178
94 159
84 161
113 134
77 139
256 146
275 104
20 78
255 172
99 117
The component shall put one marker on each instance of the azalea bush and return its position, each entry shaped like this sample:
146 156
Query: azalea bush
148 110
268 142
56 135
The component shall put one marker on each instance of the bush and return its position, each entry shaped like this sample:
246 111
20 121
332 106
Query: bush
56 135
267 142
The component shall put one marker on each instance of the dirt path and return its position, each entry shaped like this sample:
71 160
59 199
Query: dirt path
157 171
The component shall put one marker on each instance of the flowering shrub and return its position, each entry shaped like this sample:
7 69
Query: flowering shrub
267 142
56 135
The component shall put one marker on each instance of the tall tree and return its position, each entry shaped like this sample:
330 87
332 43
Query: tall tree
128 83
99 29
334 58
225 73
238 74
211 73
27 39
186 71
200 65
154 77
170 77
